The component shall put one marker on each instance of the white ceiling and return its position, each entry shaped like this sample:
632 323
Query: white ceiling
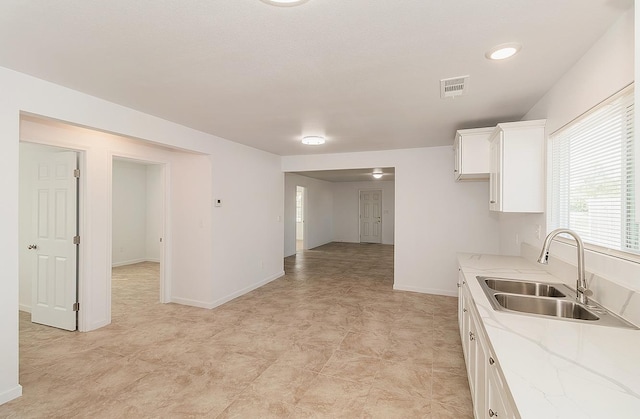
364 73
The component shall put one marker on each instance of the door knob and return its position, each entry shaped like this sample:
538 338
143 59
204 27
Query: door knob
32 246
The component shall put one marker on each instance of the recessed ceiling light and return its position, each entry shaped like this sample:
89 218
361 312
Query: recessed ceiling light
500 52
285 3
313 140
377 173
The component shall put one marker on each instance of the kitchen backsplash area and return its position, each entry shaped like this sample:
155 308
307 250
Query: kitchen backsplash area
615 296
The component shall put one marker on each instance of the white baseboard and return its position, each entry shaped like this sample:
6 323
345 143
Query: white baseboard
192 303
25 308
448 293
11 394
132 262
225 299
94 326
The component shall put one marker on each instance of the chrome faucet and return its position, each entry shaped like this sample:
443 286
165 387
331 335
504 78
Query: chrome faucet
582 291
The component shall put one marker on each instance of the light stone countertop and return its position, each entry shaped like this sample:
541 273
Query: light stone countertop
556 368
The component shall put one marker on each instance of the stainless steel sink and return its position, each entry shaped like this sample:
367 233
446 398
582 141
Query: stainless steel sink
545 307
523 287
539 299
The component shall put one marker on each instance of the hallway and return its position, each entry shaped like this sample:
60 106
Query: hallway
329 339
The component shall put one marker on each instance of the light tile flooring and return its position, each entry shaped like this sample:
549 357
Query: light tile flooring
330 339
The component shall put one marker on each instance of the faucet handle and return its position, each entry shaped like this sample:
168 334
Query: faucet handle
587 292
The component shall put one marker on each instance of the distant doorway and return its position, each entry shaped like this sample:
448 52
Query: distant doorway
371 216
300 215
138 219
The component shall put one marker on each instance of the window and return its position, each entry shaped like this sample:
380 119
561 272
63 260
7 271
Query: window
299 197
593 176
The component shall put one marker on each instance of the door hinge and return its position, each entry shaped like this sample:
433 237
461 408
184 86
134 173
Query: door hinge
76 173
76 306
76 239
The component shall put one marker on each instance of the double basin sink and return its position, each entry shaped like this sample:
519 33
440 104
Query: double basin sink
546 300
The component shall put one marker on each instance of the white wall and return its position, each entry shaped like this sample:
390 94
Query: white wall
129 203
318 221
248 238
332 210
137 212
187 204
155 199
435 216
346 210
605 69
208 249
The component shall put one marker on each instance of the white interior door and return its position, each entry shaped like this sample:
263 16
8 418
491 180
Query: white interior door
371 216
55 195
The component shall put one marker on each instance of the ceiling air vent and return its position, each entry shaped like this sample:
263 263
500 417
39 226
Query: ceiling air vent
455 86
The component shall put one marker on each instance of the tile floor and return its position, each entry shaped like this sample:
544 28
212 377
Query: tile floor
330 339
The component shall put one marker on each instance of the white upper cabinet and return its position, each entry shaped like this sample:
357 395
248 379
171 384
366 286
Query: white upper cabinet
471 150
516 167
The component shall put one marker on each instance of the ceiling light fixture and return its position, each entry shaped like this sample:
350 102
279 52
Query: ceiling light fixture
377 173
285 3
313 140
502 51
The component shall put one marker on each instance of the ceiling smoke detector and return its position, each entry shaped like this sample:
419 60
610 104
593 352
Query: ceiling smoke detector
454 86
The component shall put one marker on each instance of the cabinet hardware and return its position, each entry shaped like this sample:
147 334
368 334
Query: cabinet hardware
32 246
492 202
493 414
491 361
464 310
471 336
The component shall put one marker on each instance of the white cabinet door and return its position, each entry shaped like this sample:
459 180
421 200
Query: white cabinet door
480 387
497 405
460 299
495 172
465 325
471 150
491 397
516 172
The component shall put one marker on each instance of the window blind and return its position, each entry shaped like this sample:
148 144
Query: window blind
593 176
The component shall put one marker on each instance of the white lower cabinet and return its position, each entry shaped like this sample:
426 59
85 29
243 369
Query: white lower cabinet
489 394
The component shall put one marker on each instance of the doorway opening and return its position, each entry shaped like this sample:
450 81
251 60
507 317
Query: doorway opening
323 207
49 235
300 215
136 236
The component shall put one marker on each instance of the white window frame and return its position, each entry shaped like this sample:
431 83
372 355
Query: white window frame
617 253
